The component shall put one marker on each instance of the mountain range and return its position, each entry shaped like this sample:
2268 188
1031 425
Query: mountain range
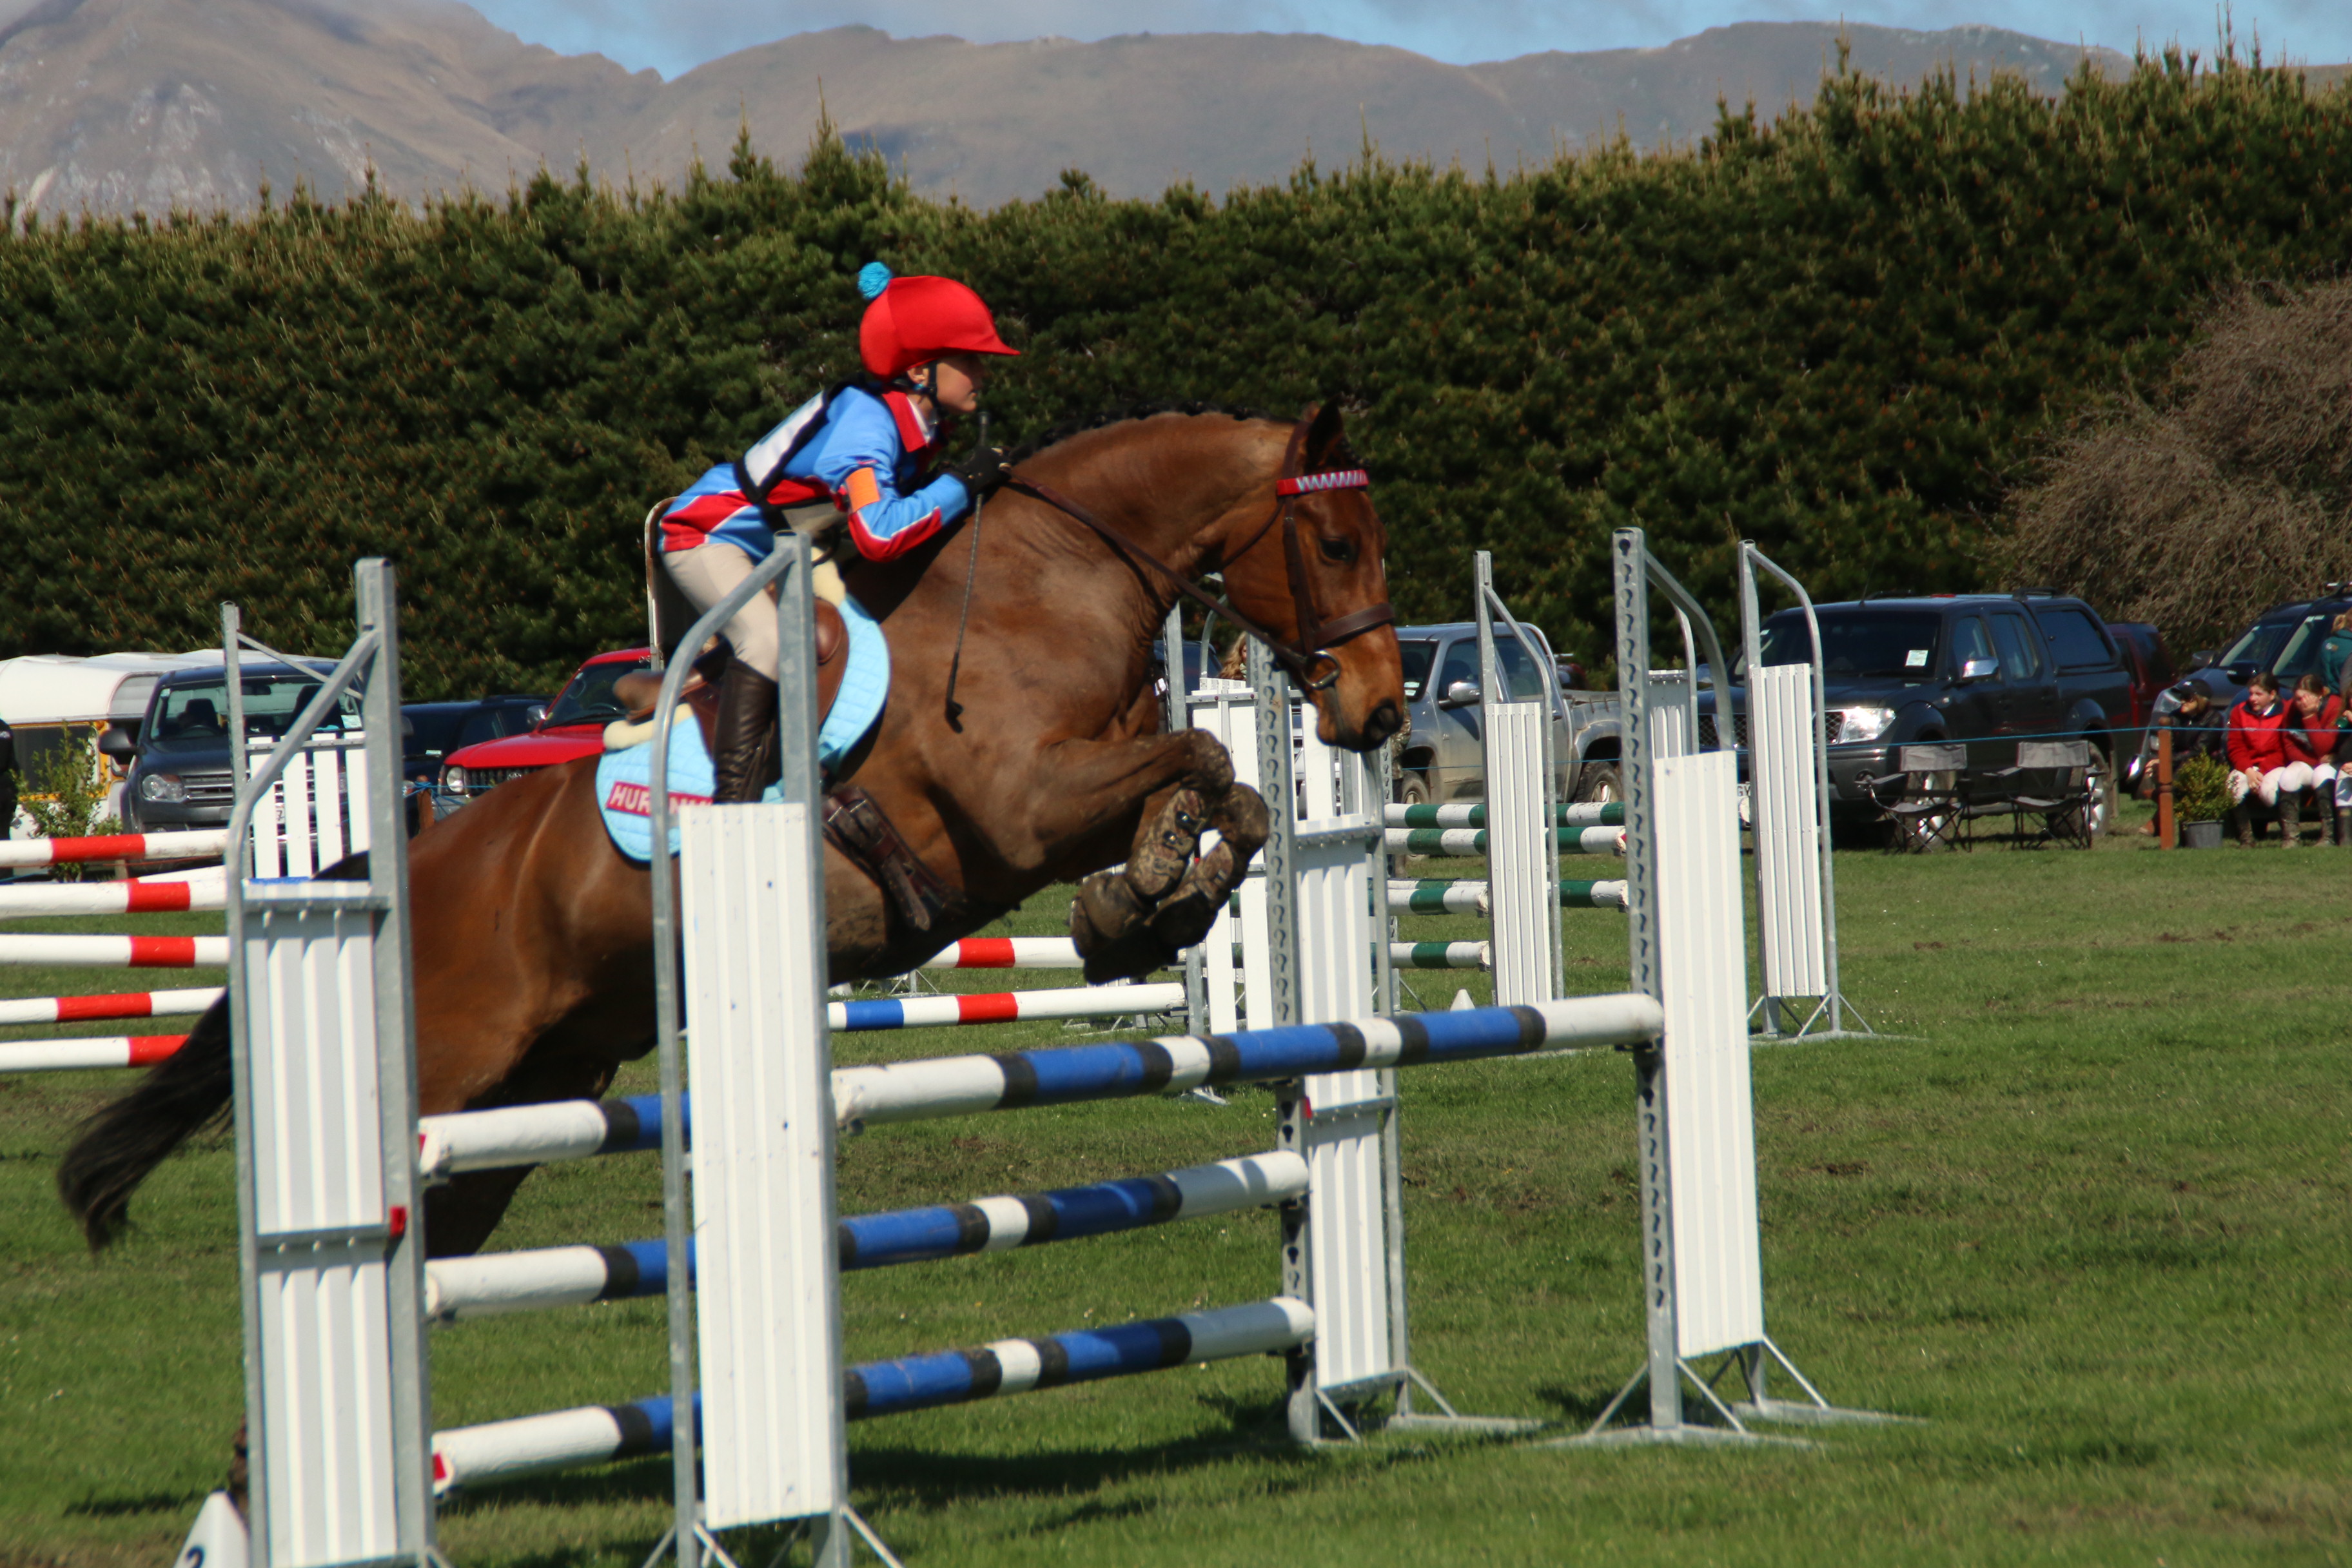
119 105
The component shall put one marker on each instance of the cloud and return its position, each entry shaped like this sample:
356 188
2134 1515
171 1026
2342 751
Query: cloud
674 36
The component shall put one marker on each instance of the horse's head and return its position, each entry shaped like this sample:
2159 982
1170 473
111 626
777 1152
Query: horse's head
1307 566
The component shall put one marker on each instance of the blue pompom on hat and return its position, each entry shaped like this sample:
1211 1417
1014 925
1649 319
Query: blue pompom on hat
872 279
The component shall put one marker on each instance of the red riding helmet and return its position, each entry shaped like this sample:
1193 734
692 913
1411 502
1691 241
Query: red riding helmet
914 321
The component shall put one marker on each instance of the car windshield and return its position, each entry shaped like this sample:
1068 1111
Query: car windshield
2260 645
432 731
1865 644
2301 654
1416 655
196 714
589 698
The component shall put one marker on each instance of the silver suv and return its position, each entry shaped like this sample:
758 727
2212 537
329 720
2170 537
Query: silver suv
1443 754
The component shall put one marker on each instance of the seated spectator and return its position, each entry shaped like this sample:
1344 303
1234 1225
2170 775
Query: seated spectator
2256 751
2186 710
2311 735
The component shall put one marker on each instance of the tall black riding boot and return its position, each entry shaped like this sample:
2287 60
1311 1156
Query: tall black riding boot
746 763
2290 813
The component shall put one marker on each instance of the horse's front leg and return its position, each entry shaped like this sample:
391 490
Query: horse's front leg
1137 919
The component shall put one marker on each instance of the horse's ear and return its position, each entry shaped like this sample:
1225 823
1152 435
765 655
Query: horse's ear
1327 436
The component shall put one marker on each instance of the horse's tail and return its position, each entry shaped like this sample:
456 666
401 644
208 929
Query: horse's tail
116 1148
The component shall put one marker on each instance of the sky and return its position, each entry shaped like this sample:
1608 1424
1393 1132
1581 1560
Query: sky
674 35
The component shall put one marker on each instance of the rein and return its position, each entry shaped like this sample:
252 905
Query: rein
1317 637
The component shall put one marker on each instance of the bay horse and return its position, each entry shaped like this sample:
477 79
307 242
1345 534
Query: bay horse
533 935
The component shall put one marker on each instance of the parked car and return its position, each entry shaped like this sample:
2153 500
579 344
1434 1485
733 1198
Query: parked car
2149 664
2284 639
1444 758
431 732
180 758
1989 669
573 728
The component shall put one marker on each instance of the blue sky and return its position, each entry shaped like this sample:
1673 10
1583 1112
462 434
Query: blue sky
674 35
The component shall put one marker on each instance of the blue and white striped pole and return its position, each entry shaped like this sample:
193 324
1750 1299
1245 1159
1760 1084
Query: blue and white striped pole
468 1457
545 1278
966 1086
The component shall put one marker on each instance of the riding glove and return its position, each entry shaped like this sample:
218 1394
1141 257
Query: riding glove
981 472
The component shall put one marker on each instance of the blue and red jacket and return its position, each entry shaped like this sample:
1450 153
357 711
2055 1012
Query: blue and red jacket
858 449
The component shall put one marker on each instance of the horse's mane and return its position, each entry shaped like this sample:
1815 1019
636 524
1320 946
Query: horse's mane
1120 416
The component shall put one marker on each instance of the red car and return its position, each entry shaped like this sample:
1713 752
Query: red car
573 728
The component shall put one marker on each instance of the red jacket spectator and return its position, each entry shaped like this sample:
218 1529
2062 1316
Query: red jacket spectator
2311 737
2256 741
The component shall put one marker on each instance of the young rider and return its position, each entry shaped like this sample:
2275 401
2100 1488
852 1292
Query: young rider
857 452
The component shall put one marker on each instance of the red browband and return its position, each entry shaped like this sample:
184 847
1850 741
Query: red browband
1338 480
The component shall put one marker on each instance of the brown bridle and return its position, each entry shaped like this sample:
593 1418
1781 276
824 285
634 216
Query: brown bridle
1317 637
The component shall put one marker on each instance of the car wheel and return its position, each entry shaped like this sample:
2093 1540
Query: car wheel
1600 782
1414 791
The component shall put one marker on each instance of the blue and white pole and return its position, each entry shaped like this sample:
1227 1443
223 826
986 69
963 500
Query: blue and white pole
546 1278
966 1086
471 1457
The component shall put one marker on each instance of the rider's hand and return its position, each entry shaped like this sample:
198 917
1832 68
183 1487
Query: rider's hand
981 472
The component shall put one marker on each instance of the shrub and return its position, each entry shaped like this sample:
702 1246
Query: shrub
65 790
2200 790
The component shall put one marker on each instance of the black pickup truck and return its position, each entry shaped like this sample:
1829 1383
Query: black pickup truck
1989 669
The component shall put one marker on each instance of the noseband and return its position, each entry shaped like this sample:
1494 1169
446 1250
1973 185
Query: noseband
1317 637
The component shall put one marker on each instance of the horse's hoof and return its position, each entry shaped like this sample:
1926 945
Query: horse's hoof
1165 853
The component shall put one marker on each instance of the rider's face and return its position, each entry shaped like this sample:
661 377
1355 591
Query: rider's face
956 381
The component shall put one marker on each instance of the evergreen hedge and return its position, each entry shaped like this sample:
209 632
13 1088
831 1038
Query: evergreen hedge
1841 334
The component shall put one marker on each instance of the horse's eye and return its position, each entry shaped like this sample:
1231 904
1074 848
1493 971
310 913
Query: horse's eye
1341 551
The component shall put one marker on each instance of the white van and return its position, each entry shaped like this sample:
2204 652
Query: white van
41 694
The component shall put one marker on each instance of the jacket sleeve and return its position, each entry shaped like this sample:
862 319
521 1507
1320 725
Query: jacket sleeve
861 466
2236 744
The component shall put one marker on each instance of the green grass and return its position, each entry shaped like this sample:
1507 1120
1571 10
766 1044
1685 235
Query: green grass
2090 1216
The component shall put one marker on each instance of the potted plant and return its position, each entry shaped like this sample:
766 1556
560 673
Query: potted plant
2201 797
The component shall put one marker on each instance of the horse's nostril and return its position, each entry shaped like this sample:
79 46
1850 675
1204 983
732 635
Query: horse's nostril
1384 721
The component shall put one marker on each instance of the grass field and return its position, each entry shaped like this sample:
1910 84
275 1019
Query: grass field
2090 1216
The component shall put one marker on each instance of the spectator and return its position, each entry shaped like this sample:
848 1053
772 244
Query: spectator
2335 654
2313 732
2257 757
2186 710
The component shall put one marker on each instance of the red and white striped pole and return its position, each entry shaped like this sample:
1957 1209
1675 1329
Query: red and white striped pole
114 951
120 1005
130 898
103 1051
189 846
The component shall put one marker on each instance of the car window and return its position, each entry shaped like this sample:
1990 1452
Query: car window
1969 640
196 714
2259 645
1461 664
1520 677
432 734
1881 644
2075 640
2018 661
2300 656
589 698
480 725
1416 654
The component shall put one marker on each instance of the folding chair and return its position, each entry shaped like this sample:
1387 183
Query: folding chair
1925 799
2054 785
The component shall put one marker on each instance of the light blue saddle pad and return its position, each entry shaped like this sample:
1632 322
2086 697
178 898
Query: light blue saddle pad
624 779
